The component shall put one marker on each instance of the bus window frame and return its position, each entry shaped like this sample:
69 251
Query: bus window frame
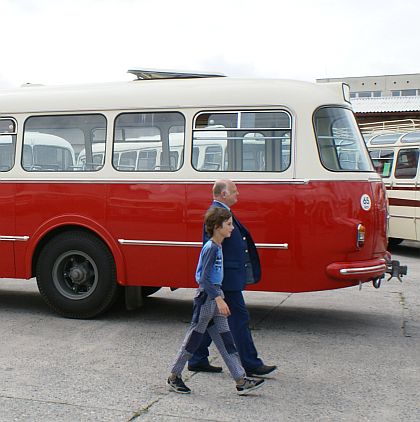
404 150
13 140
248 130
75 168
157 166
380 158
363 143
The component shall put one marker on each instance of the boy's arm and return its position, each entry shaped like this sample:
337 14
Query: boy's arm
208 260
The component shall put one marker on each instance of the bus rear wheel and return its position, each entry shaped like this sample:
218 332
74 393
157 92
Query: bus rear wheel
76 275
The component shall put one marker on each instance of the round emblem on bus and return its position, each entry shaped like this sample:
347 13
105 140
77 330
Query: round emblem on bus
365 202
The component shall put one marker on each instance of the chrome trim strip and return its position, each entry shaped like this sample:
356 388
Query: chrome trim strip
272 245
192 181
375 268
404 216
14 238
192 244
159 243
160 181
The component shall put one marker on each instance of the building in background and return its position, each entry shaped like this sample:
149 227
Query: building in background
383 97
404 85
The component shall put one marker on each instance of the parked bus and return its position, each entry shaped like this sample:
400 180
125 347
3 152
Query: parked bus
139 155
308 191
41 152
394 147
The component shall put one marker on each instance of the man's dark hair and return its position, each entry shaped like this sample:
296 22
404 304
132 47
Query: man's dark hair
215 217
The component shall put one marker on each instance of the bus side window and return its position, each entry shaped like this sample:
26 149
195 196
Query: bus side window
155 139
382 160
407 163
255 141
63 143
7 144
340 145
195 154
147 160
213 158
128 161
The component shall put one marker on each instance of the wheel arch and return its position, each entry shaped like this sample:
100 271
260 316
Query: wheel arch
52 228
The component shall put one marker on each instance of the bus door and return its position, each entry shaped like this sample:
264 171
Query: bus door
256 145
7 198
404 206
146 211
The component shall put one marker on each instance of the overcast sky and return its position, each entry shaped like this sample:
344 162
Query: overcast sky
77 41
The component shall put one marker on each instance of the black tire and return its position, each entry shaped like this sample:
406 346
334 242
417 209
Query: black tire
149 290
394 241
76 275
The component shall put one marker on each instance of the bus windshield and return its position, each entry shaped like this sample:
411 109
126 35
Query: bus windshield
340 144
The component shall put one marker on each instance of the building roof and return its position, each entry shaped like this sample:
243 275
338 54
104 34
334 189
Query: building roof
385 104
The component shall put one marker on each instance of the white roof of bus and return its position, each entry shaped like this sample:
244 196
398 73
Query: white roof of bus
149 142
171 94
36 138
392 139
123 146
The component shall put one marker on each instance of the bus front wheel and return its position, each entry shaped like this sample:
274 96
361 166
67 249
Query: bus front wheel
76 275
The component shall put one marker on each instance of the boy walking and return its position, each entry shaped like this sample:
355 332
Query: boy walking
210 310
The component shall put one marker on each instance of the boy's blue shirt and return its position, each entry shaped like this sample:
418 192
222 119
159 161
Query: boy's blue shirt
235 256
209 273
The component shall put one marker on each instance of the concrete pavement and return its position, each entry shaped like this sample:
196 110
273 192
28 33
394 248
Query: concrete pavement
344 355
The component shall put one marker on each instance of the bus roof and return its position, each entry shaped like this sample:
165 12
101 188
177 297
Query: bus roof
40 139
45 139
171 94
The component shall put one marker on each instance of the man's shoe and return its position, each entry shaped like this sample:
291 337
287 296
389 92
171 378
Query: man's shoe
178 386
205 367
261 371
248 385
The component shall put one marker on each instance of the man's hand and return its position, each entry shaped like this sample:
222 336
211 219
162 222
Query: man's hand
222 306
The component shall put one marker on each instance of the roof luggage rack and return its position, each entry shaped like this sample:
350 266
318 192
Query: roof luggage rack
390 126
169 74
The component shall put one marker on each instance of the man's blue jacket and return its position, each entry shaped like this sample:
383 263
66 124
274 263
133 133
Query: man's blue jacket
239 250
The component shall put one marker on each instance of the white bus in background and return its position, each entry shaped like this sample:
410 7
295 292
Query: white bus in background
395 148
136 154
41 152
210 153
212 150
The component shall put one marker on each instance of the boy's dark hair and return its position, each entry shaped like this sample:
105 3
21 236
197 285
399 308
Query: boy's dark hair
215 217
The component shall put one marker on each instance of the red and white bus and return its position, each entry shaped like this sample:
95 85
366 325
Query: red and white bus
89 225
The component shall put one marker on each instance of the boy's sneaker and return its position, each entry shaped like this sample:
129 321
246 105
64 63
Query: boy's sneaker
178 386
248 386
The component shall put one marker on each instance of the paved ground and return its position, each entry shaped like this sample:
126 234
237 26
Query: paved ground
345 355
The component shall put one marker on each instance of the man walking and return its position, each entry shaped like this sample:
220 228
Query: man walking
241 266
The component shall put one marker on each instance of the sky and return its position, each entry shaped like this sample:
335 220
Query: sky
83 41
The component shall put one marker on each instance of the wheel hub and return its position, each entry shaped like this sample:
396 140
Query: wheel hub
77 275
